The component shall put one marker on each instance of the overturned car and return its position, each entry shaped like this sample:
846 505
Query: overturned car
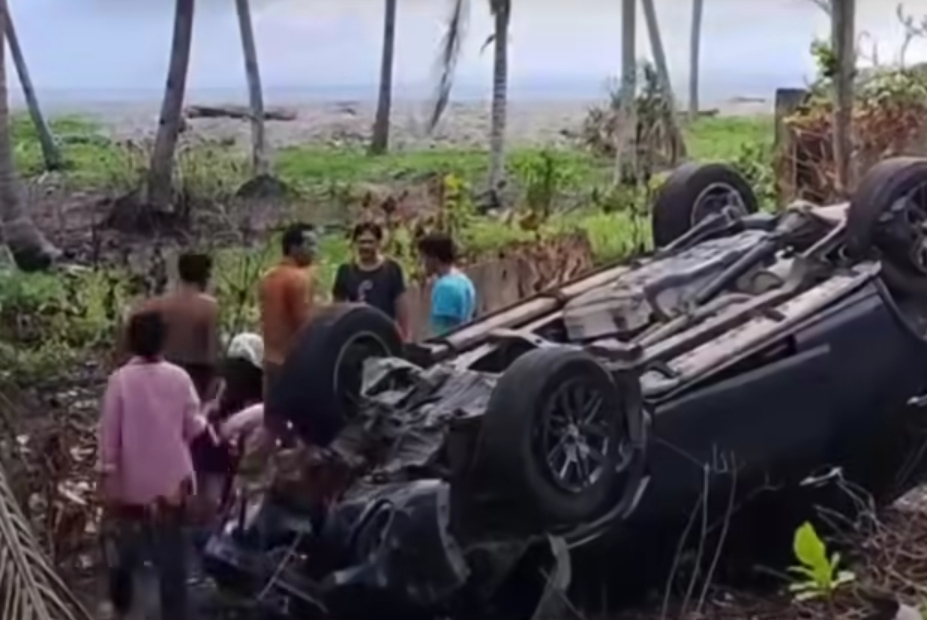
749 350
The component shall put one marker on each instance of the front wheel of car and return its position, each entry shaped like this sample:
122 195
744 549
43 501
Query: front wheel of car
887 219
319 386
694 191
555 441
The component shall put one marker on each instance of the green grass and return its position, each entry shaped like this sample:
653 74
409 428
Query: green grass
79 311
723 138
93 160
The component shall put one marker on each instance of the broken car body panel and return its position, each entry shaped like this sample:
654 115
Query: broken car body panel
751 344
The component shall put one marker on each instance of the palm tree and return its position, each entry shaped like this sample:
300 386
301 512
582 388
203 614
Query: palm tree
259 158
160 172
501 10
30 589
50 151
30 248
450 52
380 140
695 40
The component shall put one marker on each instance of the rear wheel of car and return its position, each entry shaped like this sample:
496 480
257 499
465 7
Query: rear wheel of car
319 385
692 192
887 219
554 441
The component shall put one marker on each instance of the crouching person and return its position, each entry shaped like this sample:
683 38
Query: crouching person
241 385
150 414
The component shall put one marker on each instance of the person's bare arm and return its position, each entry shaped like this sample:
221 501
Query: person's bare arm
402 303
214 339
403 316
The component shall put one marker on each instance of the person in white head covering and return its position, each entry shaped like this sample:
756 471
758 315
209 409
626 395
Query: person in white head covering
249 347
242 380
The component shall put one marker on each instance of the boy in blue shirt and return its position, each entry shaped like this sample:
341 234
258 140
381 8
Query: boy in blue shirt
453 297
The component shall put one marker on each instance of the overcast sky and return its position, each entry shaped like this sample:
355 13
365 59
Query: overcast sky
748 45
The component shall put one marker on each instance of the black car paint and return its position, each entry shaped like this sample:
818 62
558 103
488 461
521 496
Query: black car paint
812 403
807 401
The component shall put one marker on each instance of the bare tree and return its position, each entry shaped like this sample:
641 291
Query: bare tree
30 248
501 10
160 172
50 151
695 40
259 158
662 69
843 37
450 52
380 140
624 149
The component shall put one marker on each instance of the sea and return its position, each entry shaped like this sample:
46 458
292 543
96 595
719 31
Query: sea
85 53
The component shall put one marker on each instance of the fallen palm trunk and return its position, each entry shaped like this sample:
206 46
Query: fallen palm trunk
237 112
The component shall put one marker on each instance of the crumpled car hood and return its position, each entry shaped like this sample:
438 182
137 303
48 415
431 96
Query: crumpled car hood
407 412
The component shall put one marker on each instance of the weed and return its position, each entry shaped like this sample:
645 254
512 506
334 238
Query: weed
817 575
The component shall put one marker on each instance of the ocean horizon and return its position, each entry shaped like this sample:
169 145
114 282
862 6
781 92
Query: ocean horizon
87 53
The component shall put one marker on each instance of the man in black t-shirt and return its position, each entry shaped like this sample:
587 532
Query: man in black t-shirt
372 278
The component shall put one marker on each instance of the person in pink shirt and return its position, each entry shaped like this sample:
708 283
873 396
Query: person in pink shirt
150 414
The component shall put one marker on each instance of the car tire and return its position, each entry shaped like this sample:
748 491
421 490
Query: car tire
316 375
877 194
508 458
679 204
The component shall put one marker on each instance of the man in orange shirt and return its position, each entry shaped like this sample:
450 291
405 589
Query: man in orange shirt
286 298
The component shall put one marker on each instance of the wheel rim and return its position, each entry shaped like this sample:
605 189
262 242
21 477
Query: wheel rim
349 368
573 438
714 199
907 230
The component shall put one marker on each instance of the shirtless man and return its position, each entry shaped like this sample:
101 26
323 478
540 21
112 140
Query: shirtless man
191 318
286 296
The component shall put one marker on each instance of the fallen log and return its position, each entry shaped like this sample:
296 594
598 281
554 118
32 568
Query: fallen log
238 112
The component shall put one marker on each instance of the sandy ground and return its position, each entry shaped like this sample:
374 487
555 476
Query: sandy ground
466 124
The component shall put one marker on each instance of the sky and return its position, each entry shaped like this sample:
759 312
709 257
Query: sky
114 49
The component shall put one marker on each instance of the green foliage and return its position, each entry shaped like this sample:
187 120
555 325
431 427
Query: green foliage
755 162
825 60
545 176
48 322
817 575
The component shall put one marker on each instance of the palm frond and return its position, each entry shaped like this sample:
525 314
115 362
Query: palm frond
448 57
30 589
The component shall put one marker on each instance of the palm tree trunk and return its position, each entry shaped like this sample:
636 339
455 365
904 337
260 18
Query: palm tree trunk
500 74
50 151
259 158
695 41
659 61
162 156
30 249
625 148
843 29
380 140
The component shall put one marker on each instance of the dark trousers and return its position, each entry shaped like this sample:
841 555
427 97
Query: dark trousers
160 539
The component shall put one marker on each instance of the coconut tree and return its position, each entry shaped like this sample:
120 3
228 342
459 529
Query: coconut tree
259 158
161 169
380 139
29 247
50 151
695 40
30 589
450 51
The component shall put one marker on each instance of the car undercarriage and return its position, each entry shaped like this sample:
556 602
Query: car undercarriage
749 351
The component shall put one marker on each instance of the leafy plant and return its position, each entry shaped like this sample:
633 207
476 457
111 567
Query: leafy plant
545 177
817 575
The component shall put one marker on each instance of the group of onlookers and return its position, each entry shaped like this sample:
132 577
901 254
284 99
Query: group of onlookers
176 409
